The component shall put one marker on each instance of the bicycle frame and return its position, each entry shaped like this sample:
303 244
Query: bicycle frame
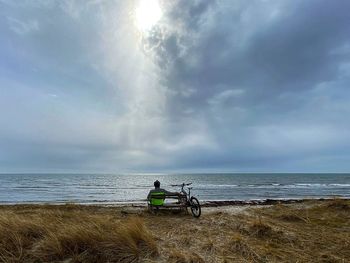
185 193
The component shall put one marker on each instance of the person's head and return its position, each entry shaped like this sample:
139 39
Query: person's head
157 184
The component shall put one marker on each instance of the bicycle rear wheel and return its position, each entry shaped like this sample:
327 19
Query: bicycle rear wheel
195 207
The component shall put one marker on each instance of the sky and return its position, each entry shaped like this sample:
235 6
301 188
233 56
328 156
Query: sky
174 86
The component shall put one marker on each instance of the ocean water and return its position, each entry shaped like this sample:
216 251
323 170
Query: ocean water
115 188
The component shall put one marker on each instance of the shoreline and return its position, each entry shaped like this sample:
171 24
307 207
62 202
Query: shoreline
206 203
263 202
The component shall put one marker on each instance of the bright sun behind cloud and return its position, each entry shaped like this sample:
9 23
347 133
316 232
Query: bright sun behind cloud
147 14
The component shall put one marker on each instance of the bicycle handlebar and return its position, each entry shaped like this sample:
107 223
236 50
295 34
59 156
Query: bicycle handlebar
181 185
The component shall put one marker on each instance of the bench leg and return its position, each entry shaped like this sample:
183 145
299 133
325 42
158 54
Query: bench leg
150 209
153 209
186 209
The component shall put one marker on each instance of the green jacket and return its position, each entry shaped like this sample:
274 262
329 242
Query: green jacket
158 192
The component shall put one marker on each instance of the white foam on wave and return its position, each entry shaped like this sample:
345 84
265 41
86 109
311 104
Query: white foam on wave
322 185
273 185
215 186
340 185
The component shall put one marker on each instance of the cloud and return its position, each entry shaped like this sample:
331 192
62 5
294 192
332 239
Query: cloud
277 56
22 28
215 85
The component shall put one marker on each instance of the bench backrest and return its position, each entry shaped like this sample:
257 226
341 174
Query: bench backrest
157 198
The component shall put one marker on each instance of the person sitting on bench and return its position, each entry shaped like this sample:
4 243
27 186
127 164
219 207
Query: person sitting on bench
157 195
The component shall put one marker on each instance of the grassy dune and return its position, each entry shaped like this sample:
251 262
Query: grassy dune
309 232
72 233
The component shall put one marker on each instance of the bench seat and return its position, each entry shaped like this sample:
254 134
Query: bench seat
158 201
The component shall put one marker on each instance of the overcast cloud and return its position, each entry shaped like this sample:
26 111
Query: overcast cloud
241 86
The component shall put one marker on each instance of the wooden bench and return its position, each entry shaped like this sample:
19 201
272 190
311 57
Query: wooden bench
157 201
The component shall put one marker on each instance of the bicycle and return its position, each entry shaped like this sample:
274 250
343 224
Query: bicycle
189 201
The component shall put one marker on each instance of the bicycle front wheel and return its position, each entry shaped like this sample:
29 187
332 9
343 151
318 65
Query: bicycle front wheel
195 207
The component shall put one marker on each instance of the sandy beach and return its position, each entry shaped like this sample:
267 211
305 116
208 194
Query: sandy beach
309 231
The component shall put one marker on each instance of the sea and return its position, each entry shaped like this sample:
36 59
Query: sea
133 188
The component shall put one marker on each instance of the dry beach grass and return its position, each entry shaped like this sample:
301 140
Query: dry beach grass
313 231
